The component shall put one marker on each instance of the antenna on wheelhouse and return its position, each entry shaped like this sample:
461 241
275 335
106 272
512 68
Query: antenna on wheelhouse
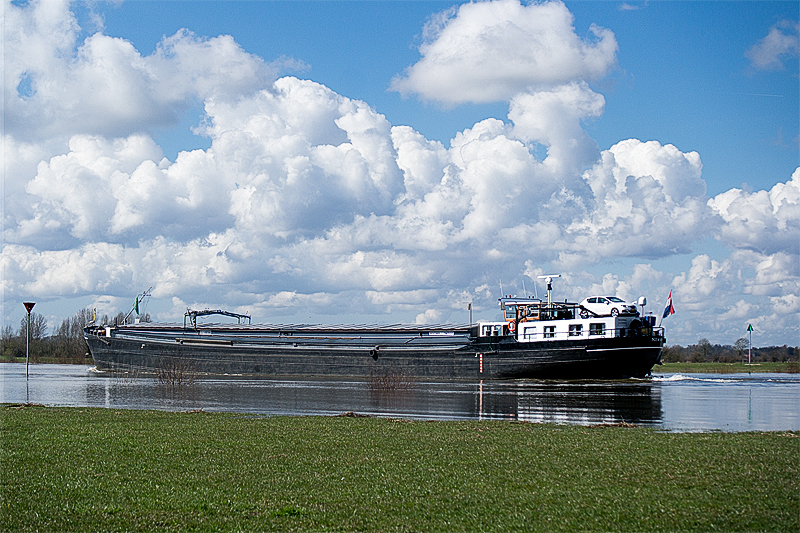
549 280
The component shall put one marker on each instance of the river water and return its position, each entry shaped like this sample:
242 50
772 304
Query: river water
673 402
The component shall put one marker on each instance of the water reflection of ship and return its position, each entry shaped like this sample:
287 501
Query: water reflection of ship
585 403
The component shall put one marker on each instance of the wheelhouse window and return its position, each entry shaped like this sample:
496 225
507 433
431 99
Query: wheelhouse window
575 330
597 329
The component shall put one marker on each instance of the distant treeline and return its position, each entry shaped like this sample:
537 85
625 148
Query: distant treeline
705 352
65 345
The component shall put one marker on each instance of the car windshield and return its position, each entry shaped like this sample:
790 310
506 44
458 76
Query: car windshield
615 299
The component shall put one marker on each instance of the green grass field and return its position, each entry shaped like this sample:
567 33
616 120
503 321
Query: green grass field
70 469
727 368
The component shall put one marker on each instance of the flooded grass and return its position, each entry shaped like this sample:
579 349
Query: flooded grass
389 381
68 469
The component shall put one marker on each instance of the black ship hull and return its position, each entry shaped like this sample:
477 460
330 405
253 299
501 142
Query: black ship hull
413 353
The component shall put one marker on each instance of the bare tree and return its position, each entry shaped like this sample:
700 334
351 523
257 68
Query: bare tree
68 341
740 347
701 351
38 327
8 333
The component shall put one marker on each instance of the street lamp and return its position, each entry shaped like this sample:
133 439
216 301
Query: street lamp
29 307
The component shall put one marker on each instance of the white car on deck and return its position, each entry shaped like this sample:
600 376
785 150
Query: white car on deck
606 306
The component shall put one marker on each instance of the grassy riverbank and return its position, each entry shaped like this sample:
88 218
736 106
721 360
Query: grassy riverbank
102 470
791 367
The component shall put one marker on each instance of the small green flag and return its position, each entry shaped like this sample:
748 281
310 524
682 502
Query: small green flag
750 327
136 306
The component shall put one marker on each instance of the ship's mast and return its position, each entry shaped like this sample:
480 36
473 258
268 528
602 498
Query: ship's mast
549 280
139 298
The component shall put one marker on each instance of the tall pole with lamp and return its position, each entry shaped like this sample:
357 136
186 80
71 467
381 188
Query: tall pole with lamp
29 308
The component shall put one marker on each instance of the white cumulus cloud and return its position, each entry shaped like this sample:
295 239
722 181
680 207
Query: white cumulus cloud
490 51
55 86
781 43
765 221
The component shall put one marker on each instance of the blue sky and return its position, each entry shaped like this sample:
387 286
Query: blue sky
401 213
682 76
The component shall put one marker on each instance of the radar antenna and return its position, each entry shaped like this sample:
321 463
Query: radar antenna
549 280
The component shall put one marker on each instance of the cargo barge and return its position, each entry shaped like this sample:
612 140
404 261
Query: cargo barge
535 339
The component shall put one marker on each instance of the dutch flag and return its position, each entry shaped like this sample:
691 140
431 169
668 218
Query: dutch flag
669 310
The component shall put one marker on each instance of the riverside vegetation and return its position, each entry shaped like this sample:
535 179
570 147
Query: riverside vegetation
64 345
68 469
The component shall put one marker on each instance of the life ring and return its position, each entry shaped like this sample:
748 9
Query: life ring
512 326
